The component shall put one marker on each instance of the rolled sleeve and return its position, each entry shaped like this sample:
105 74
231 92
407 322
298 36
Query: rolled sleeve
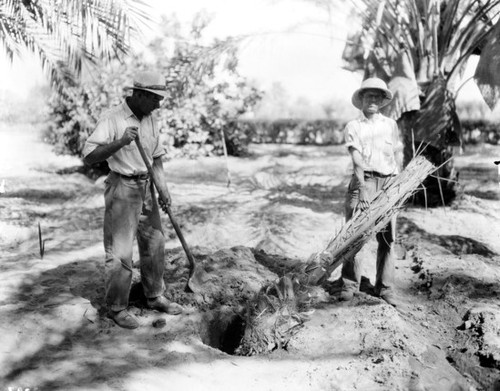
352 139
100 136
158 148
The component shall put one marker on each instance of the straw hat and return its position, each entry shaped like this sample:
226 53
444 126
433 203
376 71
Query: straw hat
151 82
373 83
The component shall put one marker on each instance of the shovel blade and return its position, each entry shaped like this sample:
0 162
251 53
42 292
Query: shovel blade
196 280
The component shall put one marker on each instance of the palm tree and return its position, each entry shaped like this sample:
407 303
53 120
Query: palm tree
421 47
66 35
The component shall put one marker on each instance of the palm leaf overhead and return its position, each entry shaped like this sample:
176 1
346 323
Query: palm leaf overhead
487 76
439 36
67 34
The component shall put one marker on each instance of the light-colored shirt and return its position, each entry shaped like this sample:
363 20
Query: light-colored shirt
111 126
377 139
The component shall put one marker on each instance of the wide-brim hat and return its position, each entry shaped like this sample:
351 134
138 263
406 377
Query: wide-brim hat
149 81
373 83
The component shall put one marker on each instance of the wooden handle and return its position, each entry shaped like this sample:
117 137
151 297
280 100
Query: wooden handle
163 197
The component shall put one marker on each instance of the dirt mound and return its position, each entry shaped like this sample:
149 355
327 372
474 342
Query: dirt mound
284 203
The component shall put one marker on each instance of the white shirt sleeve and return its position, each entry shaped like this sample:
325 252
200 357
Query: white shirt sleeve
101 135
158 149
351 136
398 143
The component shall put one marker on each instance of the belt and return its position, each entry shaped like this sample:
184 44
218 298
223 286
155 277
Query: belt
375 174
132 177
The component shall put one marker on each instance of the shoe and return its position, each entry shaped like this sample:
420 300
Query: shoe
388 296
124 319
346 294
163 305
349 288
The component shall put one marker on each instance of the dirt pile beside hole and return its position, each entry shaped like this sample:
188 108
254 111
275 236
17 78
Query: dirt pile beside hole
245 307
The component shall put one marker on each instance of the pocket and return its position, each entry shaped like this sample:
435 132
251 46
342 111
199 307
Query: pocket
110 184
388 148
129 191
135 185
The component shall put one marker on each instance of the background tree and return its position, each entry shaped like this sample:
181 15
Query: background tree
207 93
207 96
421 49
66 35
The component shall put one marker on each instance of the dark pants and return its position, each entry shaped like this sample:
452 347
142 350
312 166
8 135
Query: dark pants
131 211
351 270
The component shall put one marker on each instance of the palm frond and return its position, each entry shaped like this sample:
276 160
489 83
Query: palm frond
437 121
66 34
486 74
462 26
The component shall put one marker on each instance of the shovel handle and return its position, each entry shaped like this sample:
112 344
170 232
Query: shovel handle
169 212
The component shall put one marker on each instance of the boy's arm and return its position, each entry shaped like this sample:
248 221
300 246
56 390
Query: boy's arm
359 173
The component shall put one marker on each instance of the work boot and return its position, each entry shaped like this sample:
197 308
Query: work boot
346 295
348 290
124 319
161 304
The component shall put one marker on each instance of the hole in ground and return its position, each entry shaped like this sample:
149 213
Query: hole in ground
222 329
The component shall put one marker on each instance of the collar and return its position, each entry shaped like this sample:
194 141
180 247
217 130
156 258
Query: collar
376 117
127 110
129 113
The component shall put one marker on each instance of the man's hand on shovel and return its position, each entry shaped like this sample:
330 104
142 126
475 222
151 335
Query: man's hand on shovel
164 206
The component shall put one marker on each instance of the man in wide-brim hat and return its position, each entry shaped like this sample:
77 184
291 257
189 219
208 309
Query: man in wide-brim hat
376 150
131 209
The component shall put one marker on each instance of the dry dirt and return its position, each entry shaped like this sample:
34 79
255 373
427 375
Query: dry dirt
283 204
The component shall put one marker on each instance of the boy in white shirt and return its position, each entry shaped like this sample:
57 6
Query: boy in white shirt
377 153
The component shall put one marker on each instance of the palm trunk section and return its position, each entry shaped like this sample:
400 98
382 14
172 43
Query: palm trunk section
434 131
421 48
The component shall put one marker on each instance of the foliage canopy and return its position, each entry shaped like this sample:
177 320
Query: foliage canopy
67 34
207 95
428 43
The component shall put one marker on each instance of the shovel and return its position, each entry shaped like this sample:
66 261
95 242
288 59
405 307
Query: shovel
196 275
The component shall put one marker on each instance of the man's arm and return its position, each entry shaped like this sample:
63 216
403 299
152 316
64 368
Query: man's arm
102 152
159 173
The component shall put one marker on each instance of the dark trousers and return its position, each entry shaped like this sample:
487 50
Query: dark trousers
351 270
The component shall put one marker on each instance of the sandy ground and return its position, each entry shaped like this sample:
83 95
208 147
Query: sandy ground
283 201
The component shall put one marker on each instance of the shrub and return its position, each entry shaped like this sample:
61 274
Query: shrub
291 131
207 95
476 131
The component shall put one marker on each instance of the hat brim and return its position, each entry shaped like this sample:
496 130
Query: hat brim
162 93
356 98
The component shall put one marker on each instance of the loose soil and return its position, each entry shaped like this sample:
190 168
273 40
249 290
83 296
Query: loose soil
283 204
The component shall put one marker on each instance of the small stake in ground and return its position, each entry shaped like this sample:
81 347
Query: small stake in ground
41 242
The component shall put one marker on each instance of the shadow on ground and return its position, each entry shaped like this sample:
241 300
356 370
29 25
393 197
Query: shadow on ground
455 244
78 344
